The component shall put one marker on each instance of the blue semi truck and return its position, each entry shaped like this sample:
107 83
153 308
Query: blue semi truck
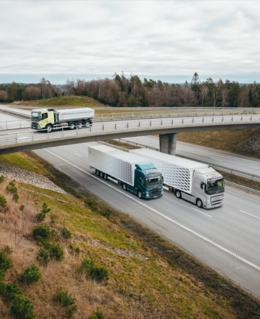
134 173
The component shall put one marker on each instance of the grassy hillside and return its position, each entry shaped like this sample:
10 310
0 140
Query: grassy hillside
76 101
243 142
147 277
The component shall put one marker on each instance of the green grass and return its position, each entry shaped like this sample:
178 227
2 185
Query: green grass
148 276
70 101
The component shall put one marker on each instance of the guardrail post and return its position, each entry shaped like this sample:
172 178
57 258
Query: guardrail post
139 124
232 118
6 125
241 118
182 121
77 131
251 118
16 139
115 126
172 121
161 122
203 120
150 123
48 134
103 127
90 129
212 119
222 118
192 120
32 137
62 134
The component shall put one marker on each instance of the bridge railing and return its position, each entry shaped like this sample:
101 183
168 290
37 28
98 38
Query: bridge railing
175 112
103 128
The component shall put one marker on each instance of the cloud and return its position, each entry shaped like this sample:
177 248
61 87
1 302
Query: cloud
215 38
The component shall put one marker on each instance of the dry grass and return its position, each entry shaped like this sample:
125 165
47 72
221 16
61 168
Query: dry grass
148 276
231 140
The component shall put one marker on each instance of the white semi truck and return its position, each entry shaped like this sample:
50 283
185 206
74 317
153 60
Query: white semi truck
48 119
136 174
190 180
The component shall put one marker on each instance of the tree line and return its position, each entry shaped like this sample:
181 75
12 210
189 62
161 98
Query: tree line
25 92
121 91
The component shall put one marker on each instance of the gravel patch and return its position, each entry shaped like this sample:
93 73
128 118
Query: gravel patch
21 175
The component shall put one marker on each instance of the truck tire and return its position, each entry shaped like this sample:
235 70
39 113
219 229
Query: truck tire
178 194
80 125
199 203
87 124
49 128
105 176
72 126
97 172
101 174
124 187
139 194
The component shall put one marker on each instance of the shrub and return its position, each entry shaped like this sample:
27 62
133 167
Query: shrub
22 308
71 311
11 188
5 262
66 233
10 290
40 217
63 298
42 232
96 315
2 179
43 257
56 252
31 274
21 207
2 274
45 208
7 250
2 201
16 197
97 273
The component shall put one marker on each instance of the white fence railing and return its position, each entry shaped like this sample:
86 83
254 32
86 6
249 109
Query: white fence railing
150 113
153 125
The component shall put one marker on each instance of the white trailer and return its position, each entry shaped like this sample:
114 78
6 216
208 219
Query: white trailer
136 174
48 119
190 180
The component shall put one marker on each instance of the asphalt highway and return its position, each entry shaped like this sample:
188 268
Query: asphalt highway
227 238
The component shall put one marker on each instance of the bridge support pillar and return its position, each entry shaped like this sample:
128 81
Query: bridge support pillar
168 143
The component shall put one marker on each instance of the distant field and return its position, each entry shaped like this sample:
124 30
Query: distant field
63 101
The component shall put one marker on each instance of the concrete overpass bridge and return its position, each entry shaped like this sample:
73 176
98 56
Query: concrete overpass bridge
166 128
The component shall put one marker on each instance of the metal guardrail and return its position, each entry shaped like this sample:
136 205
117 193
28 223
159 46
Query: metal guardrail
176 112
131 126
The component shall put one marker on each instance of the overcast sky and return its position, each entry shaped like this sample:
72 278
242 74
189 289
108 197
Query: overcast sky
217 39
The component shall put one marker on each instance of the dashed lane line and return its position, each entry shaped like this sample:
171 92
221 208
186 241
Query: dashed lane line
167 218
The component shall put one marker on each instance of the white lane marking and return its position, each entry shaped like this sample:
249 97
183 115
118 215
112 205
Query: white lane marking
166 217
252 200
242 211
201 212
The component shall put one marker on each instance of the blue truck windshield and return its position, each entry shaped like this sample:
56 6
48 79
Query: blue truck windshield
214 186
153 180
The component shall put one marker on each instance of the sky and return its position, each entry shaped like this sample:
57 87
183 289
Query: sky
167 40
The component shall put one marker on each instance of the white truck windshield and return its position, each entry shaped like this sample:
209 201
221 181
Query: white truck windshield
214 186
36 116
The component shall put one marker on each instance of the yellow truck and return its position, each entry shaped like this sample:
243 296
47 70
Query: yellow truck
49 119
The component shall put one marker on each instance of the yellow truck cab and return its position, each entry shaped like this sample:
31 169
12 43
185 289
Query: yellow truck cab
48 119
